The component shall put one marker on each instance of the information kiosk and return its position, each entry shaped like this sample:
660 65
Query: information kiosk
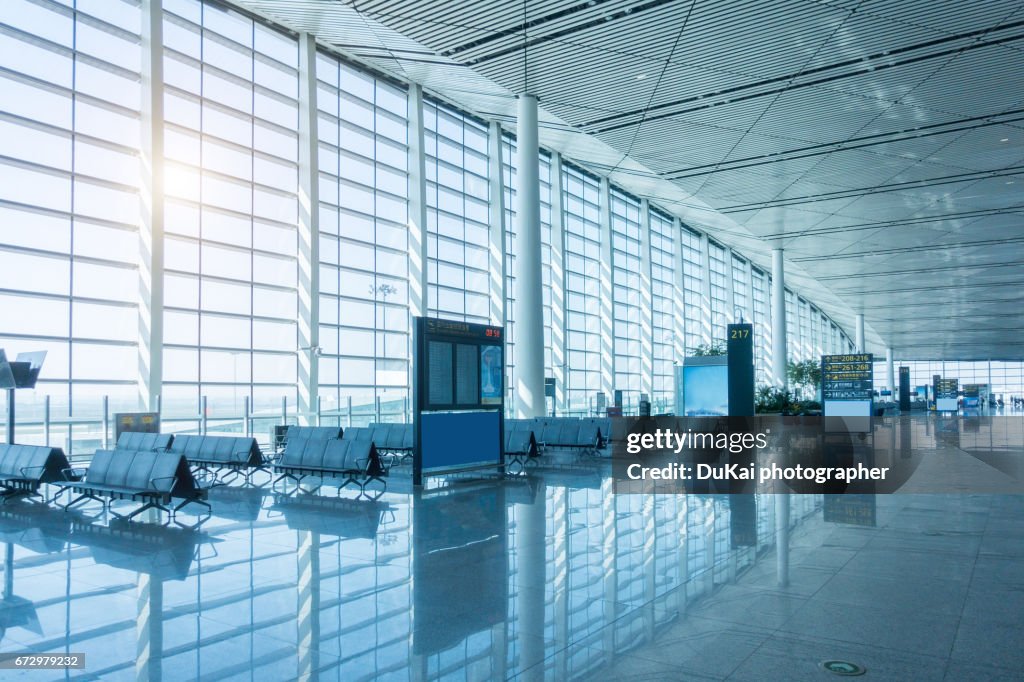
458 396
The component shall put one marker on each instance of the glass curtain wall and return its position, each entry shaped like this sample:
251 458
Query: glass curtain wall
582 219
697 332
741 289
458 204
663 311
70 244
762 328
625 223
718 272
69 203
231 182
364 243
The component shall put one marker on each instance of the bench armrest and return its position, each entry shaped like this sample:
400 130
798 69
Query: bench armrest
172 479
74 473
25 470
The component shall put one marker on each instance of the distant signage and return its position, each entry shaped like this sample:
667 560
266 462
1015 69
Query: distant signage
847 377
946 395
947 388
549 387
138 422
904 388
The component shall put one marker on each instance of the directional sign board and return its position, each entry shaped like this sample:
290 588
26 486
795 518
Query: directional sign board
847 386
946 395
847 377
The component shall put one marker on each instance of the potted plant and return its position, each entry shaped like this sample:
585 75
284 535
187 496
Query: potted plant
772 400
706 350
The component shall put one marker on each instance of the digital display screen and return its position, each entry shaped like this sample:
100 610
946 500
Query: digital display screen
440 359
467 382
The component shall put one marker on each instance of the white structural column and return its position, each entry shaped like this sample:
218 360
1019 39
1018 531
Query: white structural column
607 320
890 380
418 297
705 290
151 205
679 281
149 628
858 333
560 578
531 568
778 319
559 357
497 248
646 303
529 303
309 234
307 618
609 565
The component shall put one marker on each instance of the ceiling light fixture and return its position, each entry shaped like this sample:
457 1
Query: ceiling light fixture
1005 139
641 76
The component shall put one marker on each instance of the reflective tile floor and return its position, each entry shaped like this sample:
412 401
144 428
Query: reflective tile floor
545 577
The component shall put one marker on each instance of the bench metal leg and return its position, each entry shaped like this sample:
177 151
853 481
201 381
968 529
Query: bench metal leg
283 477
194 500
149 505
83 496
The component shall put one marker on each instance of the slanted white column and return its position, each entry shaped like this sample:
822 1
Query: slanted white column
559 357
890 379
705 291
309 234
778 319
151 207
730 290
681 316
529 303
497 248
646 303
607 320
418 298
858 333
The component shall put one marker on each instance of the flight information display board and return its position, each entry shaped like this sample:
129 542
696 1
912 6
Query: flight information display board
458 395
847 377
463 364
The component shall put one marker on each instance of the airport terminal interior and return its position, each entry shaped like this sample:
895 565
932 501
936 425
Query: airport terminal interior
323 324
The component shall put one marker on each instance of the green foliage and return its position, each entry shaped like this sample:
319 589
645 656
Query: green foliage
772 399
804 374
705 350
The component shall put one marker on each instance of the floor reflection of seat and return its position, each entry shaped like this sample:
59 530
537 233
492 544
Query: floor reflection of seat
337 516
162 551
242 504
